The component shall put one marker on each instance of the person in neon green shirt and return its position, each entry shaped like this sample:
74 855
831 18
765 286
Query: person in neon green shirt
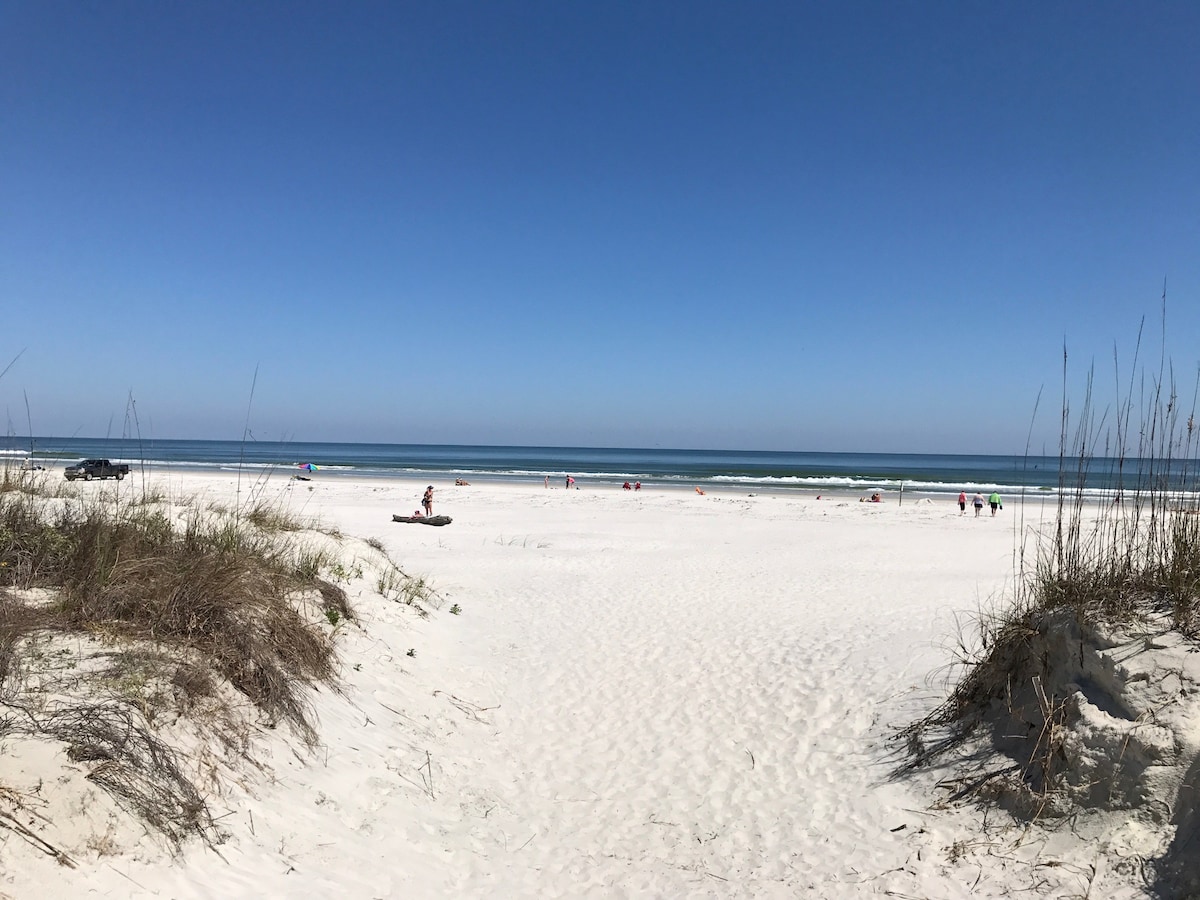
994 502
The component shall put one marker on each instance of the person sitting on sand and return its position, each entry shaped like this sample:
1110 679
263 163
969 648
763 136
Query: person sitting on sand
461 483
637 485
626 487
427 500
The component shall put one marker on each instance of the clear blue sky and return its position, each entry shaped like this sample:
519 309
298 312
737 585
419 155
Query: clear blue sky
776 225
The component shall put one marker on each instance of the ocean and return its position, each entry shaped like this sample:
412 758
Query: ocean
745 469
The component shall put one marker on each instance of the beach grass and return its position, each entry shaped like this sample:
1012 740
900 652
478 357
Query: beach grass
176 604
1121 570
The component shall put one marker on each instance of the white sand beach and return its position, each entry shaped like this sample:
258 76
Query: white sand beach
622 694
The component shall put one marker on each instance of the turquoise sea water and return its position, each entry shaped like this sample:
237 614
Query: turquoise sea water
753 470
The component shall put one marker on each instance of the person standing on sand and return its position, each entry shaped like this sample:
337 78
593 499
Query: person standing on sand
994 502
962 503
427 501
547 481
978 504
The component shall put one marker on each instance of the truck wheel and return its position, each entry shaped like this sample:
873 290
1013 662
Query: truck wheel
120 475
87 476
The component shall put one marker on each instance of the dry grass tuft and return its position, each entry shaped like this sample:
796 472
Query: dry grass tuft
214 600
134 766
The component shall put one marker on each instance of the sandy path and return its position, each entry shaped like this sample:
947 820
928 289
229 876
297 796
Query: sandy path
694 690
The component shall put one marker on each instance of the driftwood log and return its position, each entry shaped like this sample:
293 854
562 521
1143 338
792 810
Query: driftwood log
424 520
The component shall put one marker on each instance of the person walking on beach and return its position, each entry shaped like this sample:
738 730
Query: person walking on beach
978 504
994 502
962 503
427 501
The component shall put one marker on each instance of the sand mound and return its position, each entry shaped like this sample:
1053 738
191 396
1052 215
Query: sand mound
1102 724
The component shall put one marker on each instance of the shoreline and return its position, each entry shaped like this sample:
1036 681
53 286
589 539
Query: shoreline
929 474
683 484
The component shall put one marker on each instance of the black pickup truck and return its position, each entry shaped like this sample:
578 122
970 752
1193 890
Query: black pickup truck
96 468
